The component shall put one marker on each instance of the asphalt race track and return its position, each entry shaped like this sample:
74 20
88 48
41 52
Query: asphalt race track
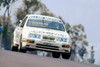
16 59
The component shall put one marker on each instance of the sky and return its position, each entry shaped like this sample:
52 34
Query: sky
85 12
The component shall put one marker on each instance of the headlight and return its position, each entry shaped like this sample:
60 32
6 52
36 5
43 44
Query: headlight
35 36
62 39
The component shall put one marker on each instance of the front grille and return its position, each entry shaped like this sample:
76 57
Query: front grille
48 38
47 46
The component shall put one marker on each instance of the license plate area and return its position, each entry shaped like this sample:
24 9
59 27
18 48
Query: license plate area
49 44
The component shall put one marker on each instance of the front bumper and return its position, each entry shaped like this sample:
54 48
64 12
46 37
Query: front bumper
38 45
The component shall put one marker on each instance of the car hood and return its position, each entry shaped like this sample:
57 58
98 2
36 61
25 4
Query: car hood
47 32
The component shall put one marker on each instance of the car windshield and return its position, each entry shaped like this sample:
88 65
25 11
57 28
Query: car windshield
45 24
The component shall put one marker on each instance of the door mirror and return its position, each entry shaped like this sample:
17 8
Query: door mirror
20 21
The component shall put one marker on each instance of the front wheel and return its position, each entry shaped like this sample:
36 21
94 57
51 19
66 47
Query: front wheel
56 54
23 50
14 48
66 55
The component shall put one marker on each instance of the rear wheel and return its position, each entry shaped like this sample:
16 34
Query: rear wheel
56 54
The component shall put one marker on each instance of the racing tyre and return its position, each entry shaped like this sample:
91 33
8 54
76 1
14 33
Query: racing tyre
14 48
56 54
66 55
23 50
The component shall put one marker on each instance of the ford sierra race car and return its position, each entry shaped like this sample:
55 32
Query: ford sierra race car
38 32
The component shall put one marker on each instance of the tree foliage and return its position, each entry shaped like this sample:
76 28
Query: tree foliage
20 14
31 3
1 2
47 14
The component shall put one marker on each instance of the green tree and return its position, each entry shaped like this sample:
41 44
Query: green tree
6 23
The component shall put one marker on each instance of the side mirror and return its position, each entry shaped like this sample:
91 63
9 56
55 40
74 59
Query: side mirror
20 21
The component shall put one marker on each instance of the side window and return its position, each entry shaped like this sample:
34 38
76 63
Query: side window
23 22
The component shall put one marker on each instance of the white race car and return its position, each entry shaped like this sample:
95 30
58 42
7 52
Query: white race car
38 32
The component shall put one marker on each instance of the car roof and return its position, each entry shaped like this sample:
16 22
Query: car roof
40 15
32 15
